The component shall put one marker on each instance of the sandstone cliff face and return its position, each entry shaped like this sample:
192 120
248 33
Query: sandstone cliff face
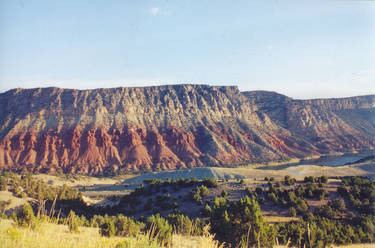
168 127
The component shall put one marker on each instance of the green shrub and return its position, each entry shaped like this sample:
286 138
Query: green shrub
127 227
107 228
181 223
73 222
210 182
96 221
25 216
203 190
198 193
258 190
241 222
325 211
13 217
3 183
160 229
323 179
272 197
301 206
288 181
206 210
292 212
224 193
337 204
309 179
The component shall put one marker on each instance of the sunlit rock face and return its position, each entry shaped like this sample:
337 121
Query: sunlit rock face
175 126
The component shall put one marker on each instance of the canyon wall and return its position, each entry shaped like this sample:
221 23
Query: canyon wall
174 126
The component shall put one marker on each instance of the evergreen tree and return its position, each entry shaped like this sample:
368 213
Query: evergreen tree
25 216
241 222
107 228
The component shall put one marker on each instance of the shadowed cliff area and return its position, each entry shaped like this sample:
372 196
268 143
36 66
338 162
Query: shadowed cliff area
174 126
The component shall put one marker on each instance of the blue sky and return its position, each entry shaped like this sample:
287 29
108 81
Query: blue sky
304 49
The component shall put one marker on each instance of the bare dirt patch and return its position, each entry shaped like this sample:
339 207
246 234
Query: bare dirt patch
15 202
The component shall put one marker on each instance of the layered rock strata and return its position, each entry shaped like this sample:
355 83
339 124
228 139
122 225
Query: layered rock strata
174 126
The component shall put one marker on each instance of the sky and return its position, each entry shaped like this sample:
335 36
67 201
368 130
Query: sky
303 49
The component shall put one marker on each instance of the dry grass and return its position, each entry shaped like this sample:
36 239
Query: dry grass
300 171
355 246
206 240
260 172
340 246
16 202
279 219
79 180
52 235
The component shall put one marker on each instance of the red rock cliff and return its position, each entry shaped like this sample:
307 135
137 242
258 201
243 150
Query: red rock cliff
167 127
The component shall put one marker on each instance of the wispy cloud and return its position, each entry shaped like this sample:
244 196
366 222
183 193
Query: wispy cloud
155 11
159 11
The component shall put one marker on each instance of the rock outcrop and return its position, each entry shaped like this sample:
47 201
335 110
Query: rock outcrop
174 126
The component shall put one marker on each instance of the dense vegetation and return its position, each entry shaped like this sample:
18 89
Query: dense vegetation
26 185
349 218
241 222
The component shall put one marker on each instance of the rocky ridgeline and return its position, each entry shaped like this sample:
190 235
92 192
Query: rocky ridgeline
174 126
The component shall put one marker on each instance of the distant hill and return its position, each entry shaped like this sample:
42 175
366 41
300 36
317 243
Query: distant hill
174 126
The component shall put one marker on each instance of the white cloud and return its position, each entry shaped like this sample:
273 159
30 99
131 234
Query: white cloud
158 11
155 11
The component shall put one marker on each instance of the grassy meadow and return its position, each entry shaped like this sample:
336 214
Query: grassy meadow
52 235
339 210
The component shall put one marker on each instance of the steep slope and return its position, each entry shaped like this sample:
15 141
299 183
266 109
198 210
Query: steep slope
174 126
